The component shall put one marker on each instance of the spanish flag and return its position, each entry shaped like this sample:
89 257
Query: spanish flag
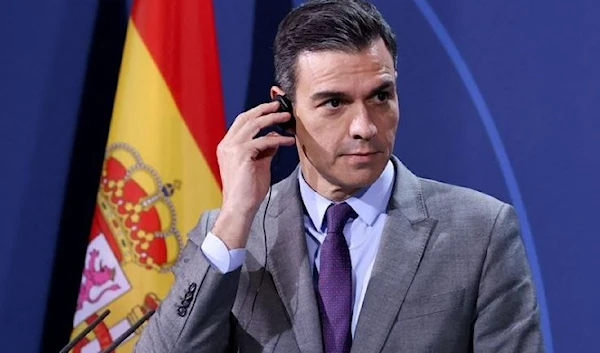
160 169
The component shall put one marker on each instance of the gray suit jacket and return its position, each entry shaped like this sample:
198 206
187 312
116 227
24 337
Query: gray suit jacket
451 275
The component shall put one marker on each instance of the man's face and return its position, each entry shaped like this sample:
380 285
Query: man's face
347 114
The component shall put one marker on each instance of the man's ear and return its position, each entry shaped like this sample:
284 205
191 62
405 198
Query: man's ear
276 90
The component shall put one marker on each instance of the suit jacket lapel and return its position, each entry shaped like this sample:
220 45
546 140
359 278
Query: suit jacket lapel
403 242
289 265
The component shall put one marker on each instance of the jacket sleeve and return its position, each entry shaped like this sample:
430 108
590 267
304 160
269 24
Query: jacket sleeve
195 315
507 318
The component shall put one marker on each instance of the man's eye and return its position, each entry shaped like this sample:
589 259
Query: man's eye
334 102
382 96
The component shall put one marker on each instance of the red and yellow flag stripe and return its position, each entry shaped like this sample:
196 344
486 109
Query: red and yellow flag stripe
185 53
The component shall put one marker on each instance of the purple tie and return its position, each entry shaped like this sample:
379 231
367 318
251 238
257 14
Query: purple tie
335 282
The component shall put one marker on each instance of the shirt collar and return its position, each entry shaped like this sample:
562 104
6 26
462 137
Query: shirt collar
368 203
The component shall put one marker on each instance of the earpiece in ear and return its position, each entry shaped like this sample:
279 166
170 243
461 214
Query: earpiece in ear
285 105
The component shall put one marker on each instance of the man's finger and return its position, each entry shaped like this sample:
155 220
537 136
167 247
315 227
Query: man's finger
253 127
263 143
252 114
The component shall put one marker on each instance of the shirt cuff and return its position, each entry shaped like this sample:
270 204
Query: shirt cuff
219 256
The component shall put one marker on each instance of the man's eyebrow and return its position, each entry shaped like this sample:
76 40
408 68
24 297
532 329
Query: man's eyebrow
322 95
328 94
387 84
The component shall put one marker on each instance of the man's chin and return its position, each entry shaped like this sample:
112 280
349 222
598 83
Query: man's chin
354 179
364 166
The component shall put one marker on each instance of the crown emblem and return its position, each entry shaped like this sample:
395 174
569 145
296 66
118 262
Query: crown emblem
137 210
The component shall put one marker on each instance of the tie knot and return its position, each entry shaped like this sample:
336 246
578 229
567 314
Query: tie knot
337 216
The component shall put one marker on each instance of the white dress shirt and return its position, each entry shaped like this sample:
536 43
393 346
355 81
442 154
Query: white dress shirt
363 234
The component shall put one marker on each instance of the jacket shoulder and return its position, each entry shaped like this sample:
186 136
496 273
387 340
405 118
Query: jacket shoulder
460 205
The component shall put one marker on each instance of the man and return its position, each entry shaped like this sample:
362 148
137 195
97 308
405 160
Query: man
352 252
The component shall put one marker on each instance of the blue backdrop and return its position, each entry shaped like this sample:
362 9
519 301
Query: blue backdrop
498 96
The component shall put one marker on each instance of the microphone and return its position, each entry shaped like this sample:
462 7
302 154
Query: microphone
83 333
129 331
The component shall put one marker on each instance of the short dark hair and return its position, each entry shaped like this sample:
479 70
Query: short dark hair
317 25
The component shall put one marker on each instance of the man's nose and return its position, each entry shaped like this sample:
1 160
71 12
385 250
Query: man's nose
362 126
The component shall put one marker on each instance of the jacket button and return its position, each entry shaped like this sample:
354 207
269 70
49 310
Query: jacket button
192 287
181 311
189 295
